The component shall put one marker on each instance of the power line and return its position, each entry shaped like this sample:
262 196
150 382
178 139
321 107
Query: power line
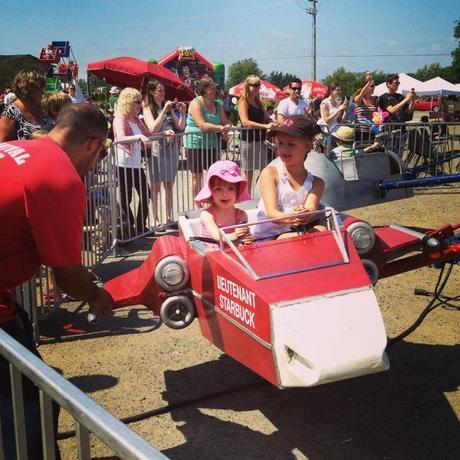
349 56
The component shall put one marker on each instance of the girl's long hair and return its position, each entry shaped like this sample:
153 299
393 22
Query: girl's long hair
149 100
246 93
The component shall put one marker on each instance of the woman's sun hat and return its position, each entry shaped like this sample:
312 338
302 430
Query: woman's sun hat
345 134
229 172
114 90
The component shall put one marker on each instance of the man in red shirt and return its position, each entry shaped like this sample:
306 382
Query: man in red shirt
42 209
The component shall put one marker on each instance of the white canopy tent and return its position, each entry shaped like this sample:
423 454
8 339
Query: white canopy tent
407 83
437 86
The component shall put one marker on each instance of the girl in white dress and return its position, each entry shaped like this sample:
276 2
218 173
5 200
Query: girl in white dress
286 187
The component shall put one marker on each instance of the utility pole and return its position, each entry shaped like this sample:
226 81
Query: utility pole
313 11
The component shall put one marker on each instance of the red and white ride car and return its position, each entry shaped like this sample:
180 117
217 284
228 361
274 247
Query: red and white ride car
299 311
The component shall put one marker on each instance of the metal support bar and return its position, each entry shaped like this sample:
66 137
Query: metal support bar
83 445
17 396
47 424
422 182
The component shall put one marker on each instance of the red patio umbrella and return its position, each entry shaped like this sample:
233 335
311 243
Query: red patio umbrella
267 91
128 71
313 89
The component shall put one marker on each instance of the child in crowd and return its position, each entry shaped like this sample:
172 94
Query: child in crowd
225 186
345 138
53 103
286 187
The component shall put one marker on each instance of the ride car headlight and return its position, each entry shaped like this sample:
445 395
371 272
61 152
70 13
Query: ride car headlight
362 235
171 273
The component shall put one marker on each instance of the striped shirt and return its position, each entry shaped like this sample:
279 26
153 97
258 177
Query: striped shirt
364 115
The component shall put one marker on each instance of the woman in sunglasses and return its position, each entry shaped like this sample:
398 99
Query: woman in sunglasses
252 115
128 127
366 105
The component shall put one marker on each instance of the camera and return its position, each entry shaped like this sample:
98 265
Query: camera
175 105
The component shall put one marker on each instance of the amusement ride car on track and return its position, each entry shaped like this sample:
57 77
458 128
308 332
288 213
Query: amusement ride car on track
298 311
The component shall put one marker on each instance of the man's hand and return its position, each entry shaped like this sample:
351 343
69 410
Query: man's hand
102 305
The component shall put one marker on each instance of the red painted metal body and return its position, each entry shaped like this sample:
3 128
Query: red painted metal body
216 275
233 307
138 286
392 243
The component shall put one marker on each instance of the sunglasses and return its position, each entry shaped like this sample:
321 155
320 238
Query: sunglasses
296 88
371 86
395 82
138 101
255 85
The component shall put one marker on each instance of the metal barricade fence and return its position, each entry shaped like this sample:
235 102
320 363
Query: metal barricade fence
89 416
151 192
427 149
126 203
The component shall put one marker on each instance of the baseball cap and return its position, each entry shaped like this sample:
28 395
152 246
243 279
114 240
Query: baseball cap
296 126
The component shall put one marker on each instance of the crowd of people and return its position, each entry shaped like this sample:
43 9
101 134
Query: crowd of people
145 127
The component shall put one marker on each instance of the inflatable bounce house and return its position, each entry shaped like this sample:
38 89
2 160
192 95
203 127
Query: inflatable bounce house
190 66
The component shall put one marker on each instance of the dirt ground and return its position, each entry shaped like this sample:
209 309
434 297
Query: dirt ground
131 365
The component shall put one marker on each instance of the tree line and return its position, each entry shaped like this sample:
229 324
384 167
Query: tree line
349 81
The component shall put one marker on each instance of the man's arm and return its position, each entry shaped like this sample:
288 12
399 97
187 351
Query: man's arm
392 109
76 281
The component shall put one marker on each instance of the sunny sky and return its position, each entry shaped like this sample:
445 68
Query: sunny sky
388 35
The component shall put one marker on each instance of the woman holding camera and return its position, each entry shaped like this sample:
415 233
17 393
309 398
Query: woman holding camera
366 105
160 118
333 111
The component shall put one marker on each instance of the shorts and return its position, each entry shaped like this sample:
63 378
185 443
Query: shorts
200 159
253 155
162 167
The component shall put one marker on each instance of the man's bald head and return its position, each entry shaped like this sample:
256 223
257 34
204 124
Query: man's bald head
80 122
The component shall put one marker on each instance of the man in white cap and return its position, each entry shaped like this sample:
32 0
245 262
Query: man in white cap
114 93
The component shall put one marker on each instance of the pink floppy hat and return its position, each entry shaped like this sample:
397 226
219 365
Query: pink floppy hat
229 172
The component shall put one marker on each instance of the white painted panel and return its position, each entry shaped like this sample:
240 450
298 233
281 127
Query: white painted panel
329 338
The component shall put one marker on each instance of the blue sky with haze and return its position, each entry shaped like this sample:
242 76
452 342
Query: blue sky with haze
276 33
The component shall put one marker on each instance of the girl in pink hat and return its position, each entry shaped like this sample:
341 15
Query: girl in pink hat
225 186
